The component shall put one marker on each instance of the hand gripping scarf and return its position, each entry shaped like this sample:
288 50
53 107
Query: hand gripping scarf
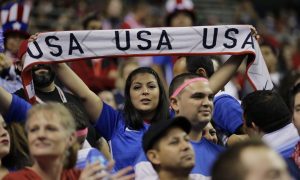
66 46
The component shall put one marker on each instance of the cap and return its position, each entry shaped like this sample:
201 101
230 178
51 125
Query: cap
14 18
157 130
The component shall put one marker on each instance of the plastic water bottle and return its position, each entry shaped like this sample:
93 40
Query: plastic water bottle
96 156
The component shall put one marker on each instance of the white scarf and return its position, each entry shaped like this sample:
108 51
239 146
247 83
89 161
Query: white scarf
64 46
283 140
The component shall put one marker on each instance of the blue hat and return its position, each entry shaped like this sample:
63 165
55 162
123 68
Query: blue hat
14 18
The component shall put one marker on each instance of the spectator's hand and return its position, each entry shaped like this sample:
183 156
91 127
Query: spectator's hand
123 174
93 171
96 171
19 64
254 33
33 37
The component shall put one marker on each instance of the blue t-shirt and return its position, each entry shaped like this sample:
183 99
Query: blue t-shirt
206 154
228 114
18 110
125 143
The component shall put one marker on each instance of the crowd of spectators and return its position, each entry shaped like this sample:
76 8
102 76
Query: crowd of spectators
118 108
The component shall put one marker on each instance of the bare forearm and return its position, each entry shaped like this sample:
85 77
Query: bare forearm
223 75
91 101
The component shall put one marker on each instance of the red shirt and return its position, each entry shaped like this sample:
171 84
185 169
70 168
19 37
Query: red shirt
29 174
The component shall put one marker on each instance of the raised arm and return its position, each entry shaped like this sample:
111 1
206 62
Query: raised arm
223 75
93 104
13 108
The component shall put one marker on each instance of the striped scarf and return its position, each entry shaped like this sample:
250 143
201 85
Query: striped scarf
66 46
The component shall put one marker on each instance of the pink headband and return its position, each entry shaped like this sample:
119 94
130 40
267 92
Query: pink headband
82 132
186 83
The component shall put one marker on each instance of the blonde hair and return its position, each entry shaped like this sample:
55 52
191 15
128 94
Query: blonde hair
57 110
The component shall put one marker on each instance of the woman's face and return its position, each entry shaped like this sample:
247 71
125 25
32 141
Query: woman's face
47 137
296 112
4 139
144 92
210 133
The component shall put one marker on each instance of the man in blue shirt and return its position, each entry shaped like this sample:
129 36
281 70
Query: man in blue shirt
191 97
168 148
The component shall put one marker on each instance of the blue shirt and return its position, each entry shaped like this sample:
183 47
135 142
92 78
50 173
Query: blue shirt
228 114
206 153
125 143
18 110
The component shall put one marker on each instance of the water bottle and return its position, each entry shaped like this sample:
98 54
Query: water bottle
96 156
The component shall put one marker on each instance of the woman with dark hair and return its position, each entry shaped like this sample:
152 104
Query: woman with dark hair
19 156
4 146
14 151
145 102
134 113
